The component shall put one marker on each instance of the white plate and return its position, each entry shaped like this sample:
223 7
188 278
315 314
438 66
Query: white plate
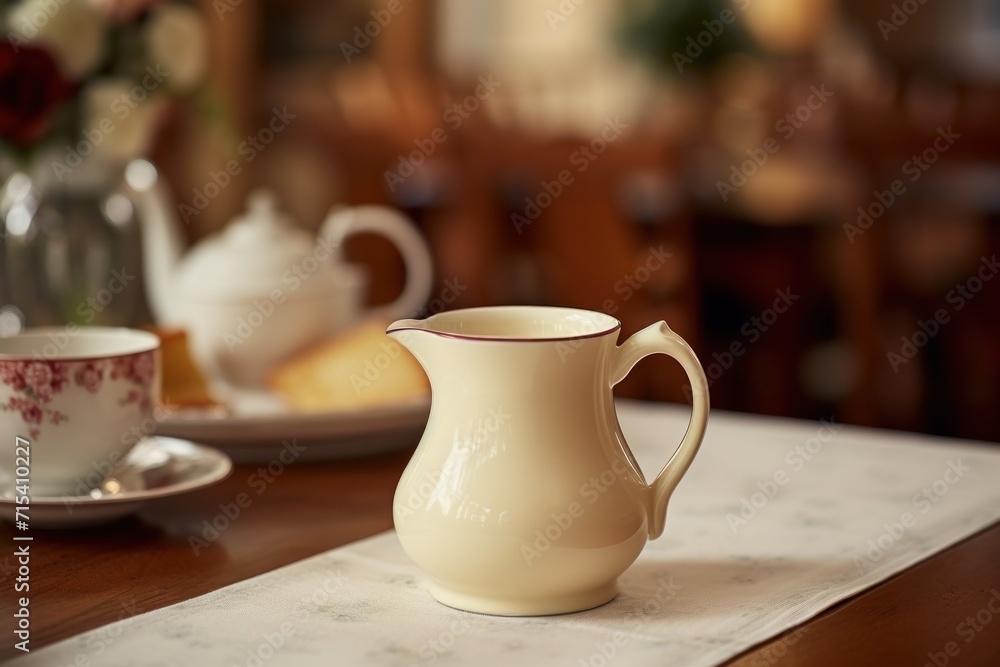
157 467
257 427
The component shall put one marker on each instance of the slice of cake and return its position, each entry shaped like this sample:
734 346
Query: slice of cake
183 383
360 367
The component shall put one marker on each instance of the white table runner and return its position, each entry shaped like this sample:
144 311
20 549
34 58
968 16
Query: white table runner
827 511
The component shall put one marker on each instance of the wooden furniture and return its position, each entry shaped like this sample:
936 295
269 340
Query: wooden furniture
357 118
935 140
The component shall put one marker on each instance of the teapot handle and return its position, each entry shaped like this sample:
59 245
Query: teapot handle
658 338
398 229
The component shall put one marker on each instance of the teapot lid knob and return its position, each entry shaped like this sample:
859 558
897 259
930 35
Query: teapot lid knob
262 211
262 202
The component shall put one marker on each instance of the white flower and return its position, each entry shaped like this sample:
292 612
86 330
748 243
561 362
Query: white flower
178 42
120 118
72 30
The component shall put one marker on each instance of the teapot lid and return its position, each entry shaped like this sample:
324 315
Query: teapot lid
262 209
258 252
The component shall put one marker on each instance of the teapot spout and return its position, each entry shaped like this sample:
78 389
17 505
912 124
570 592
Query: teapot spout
162 242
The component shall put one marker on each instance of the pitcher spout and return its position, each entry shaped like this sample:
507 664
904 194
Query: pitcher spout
411 334
404 325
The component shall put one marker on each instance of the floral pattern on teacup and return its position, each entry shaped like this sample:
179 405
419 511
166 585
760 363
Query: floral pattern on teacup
36 381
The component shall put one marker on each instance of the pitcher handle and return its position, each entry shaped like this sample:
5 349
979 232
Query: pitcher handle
658 338
397 228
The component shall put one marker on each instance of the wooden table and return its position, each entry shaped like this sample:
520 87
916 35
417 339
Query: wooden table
82 580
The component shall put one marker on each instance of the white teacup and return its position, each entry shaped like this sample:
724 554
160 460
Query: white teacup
76 395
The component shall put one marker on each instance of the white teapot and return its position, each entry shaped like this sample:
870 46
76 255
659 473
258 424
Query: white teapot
263 288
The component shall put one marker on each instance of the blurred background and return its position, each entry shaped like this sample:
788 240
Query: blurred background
806 190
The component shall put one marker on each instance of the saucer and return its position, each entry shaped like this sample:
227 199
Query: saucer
256 425
157 467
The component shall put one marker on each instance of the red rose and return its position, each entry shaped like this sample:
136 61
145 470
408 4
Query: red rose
31 87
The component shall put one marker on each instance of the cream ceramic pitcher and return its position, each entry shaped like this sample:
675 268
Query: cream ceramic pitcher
523 497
